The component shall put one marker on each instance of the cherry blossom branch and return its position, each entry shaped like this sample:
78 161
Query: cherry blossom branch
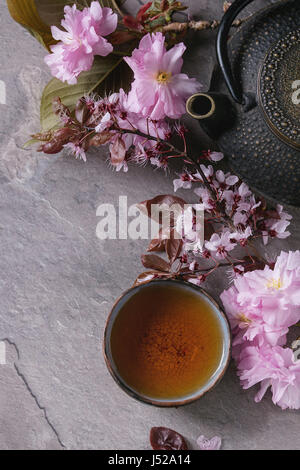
179 27
240 216
185 155
181 153
149 137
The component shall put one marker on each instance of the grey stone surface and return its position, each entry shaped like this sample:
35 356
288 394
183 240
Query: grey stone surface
58 283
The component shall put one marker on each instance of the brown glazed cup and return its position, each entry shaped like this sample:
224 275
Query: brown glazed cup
214 379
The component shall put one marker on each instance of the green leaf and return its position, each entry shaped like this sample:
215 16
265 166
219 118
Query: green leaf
51 11
30 142
108 74
26 14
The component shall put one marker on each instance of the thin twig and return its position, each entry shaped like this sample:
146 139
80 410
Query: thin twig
179 27
184 154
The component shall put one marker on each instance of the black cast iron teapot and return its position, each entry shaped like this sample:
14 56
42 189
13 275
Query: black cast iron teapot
259 127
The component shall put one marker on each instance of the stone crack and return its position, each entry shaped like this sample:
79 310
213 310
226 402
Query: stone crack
24 380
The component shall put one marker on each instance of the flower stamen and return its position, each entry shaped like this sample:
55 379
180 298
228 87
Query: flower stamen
275 284
242 317
163 77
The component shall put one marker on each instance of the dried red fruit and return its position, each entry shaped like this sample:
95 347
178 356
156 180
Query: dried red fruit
166 439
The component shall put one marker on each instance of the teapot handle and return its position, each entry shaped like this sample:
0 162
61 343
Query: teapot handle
222 51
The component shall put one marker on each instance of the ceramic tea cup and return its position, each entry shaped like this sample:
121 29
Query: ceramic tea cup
167 342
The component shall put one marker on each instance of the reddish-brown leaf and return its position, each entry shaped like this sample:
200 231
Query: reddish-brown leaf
173 247
118 151
167 199
131 22
148 276
159 243
155 262
121 37
141 16
55 146
81 111
166 439
100 139
144 277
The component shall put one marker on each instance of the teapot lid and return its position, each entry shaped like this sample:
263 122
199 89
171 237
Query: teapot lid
279 89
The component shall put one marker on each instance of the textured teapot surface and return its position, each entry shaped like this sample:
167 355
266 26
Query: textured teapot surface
263 144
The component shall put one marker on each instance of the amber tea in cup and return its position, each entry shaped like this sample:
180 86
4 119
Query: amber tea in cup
167 342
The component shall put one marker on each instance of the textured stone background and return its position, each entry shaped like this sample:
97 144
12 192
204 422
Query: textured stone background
58 283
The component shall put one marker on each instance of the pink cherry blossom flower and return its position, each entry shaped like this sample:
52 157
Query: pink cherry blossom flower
265 303
240 218
277 227
262 321
159 88
209 444
219 245
253 205
190 228
244 191
81 40
159 129
77 151
224 181
242 236
115 116
205 197
281 283
208 173
211 155
159 162
216 156
236 196
184 182
289 262
272 366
